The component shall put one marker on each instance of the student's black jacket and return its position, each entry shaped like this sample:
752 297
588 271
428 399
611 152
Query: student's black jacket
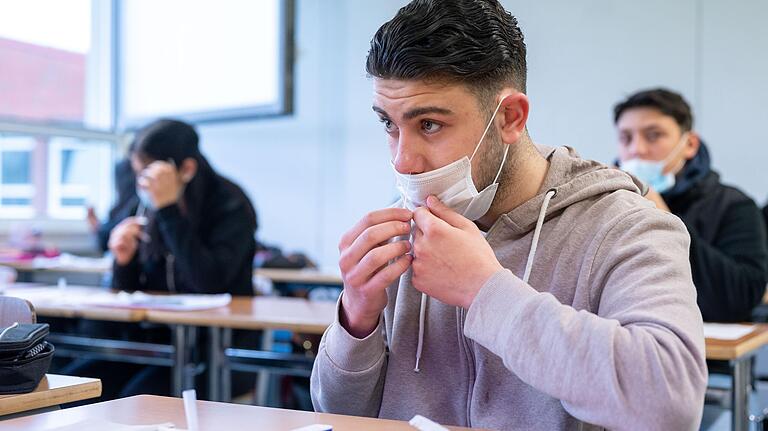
204 245
729 250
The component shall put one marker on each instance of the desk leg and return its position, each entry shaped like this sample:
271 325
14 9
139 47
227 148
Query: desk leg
179 359
225 372
262 386
740 394
214 371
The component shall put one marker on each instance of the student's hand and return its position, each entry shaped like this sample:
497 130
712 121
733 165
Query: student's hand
162 182
452 260
93 220
124 240
369 263
656 198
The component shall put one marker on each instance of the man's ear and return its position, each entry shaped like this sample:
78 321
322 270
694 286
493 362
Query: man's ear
513 115
188 169
692 145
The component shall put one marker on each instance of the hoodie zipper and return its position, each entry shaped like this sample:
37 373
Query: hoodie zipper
471 369
170 279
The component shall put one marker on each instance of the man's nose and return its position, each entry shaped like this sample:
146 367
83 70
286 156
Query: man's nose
408 159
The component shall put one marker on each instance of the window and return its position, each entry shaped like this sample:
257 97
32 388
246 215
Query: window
17 190
53 70
202 60
79 176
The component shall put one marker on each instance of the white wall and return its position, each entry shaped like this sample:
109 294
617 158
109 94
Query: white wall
314 174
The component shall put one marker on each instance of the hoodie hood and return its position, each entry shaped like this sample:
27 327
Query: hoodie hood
573 179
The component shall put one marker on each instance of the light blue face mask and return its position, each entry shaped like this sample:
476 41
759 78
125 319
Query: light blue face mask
652 172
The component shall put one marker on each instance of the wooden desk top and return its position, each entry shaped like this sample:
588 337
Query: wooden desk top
299 276
46 304
53 390
148 409
260 312
734 349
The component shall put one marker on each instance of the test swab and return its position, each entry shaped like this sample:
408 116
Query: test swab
423 424
190 409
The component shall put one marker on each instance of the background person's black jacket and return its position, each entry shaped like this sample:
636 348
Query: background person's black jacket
729 250
125 204
209 243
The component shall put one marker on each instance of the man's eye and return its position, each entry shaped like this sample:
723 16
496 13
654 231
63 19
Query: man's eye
653 136
388 125
430 127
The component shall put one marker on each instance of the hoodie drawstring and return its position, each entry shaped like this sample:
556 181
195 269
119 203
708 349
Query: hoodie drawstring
536 232
528 266
420 345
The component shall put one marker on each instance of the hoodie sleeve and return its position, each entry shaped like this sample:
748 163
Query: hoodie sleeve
730 271
348 374
639 360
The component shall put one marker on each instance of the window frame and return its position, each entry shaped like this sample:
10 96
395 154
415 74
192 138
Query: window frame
283 106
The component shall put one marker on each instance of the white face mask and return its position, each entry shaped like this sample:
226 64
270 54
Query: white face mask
452 184
652 172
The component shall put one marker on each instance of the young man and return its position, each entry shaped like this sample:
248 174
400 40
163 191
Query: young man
556 298
729 254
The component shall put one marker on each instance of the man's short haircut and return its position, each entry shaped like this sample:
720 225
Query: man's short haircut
666 101
472 42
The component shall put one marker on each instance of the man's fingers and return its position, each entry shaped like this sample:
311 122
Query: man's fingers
375 259
390 273
371 219
426 221
445 213
369 239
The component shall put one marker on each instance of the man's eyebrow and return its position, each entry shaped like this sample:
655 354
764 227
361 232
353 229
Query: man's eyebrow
380 111
413 113
416 112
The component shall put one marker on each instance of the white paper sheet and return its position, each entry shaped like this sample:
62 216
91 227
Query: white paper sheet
92 296
103 425
723 331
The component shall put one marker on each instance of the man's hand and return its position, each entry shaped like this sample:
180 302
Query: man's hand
161 180
369 263
452 260
124 240
656 198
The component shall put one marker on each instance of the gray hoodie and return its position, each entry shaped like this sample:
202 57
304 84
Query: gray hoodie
605 331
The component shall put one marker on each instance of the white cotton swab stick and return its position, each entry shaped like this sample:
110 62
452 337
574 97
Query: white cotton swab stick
423 424
190 409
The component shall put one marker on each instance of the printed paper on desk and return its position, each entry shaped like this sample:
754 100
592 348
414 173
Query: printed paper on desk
101 425
186 302
724 331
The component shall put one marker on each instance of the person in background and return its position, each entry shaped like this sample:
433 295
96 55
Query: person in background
194 229
125 205
729 252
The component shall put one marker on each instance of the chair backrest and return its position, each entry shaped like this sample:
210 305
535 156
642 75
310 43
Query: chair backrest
16 310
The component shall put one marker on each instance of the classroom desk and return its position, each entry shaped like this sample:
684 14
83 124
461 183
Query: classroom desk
264 313
148 409
738 354
247 313
52 391
299 276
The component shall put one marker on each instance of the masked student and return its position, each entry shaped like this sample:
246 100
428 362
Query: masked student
192 232
729 252
556 297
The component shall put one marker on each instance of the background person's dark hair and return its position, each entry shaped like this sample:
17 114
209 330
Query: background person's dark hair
473 42
167 140
666 101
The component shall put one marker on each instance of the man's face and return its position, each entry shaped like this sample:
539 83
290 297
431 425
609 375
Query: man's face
648 134
430 125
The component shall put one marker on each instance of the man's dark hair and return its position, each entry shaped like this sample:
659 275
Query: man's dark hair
472 42
667 102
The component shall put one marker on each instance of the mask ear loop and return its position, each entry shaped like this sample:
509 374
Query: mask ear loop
487 128
675 151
